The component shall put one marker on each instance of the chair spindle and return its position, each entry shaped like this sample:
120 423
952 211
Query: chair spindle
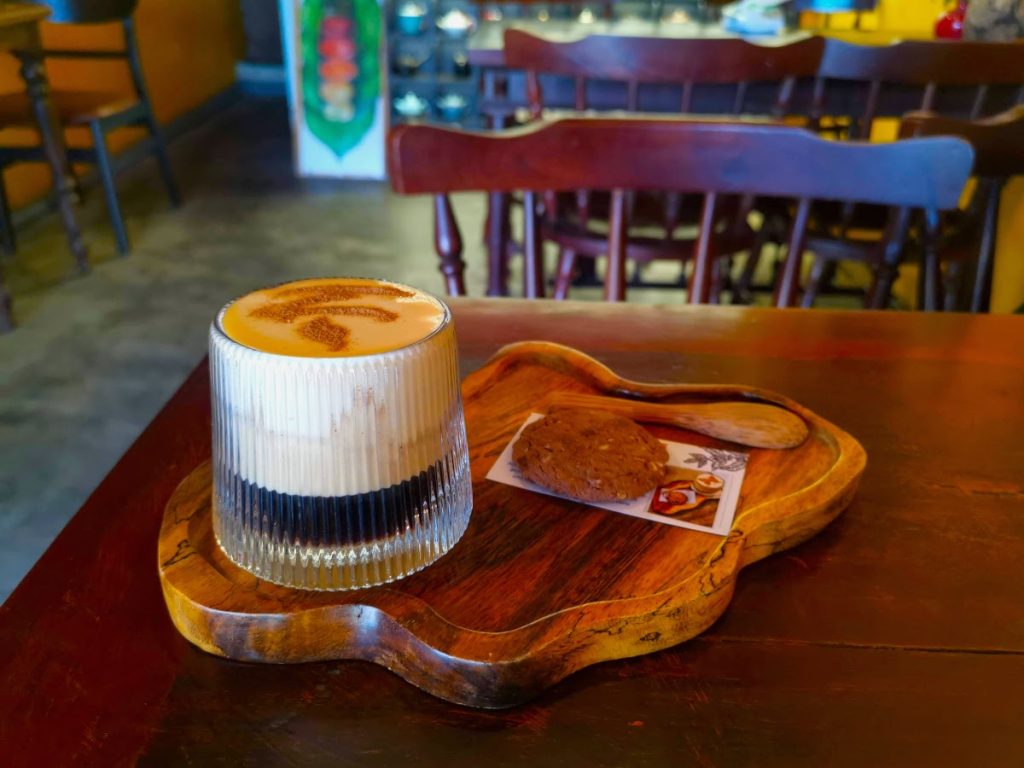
448 242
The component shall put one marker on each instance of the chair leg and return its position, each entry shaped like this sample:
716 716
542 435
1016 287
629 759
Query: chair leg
8 240
952 286
636 280
982 293
787 284
448 244
718 267
6 314
77 190
497 238
742 292
164 162
566 268
533 248
887 268
103 163
139 80
586 274
930 264
817 278
618 227
878 296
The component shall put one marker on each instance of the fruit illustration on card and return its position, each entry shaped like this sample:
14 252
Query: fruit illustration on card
340 69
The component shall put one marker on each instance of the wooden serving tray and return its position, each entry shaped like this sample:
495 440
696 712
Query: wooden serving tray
538 587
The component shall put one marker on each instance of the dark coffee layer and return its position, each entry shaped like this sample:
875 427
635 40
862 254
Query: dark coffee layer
329 521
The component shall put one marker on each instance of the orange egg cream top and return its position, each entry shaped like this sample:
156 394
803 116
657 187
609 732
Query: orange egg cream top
332 317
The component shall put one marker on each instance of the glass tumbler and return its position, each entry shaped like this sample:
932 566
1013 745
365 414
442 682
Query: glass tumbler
338 472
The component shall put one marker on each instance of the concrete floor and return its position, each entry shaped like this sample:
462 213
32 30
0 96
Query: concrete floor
95 357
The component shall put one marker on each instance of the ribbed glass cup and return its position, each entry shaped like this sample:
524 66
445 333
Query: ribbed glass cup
338 472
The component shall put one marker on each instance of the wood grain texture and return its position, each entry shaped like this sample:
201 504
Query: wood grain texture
538 587
881 641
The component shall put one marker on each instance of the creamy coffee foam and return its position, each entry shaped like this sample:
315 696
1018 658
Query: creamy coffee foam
337 413
332 317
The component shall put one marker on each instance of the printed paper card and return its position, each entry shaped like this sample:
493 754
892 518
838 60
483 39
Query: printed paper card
701 489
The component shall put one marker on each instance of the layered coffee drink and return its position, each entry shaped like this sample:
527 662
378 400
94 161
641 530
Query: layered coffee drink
339 444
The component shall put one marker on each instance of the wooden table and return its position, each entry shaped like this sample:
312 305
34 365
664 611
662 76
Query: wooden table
19 34
896 637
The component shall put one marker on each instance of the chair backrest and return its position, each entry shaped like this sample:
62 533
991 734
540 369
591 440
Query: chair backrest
679 155
927 65
677 61
88 11
100 12
998 141
714 158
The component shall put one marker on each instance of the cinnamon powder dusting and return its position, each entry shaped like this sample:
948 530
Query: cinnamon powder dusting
323 331
341 292
316 301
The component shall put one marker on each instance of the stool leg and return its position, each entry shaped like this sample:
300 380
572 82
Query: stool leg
103 163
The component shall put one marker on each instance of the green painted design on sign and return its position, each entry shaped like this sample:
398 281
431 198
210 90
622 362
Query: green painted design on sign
340 69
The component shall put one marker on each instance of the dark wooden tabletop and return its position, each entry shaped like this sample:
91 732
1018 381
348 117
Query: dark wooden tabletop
896 637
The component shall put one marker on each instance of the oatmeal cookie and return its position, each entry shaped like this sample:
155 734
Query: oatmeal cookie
590 455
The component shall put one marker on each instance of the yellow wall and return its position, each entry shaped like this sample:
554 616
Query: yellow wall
908 18
1008 275
189 49
910 15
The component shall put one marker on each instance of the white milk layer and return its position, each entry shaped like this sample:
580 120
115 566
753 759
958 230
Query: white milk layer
334 426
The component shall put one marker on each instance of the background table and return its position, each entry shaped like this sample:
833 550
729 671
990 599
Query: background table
19 34
895 637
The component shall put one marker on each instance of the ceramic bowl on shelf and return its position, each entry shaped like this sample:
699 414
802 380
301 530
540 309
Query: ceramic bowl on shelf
409 18
410 54
451 107
676 13
410 105
460 64
456 23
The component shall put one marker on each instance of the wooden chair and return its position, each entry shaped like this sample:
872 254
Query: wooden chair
998 155
922 69
664 63
100 112
968 78
713 159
